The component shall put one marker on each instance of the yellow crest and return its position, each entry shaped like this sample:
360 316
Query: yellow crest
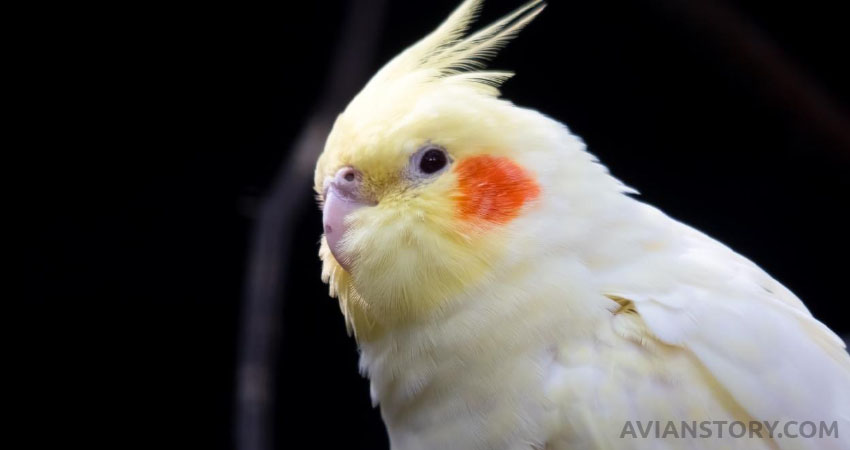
447 55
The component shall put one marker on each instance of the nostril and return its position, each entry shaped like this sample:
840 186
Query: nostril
347 175
347 184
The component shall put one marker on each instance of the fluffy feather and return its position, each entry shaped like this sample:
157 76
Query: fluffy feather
571 307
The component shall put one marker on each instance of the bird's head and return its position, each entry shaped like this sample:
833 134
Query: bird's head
426 173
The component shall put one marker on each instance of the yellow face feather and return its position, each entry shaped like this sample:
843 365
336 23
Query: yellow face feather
427 238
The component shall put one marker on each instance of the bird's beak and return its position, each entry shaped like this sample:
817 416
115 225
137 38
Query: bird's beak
343 195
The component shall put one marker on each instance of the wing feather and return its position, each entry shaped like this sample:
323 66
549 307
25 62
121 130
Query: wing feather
751 333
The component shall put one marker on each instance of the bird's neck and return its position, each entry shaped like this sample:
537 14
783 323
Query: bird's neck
487 356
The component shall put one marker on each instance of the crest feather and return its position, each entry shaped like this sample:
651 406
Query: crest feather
447 55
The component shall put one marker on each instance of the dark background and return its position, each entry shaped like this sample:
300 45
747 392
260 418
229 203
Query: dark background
155 130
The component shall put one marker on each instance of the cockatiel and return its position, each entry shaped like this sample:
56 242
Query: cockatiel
506 292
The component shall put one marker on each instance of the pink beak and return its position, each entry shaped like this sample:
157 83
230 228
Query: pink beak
342 196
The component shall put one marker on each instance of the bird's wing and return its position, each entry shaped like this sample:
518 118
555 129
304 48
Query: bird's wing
750 332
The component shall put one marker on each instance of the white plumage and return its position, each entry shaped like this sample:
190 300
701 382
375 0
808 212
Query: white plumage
587 311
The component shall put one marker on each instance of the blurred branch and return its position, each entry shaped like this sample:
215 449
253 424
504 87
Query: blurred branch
263 296
779 77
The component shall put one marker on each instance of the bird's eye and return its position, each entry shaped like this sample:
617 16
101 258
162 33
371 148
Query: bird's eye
433 159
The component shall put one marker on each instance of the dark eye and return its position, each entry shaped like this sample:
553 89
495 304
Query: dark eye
433 160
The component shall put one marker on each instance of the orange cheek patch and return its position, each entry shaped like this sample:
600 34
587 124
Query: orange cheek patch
492 189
